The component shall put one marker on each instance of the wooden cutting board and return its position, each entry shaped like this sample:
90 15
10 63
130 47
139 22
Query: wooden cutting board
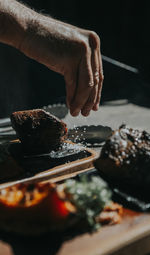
131 236
42 168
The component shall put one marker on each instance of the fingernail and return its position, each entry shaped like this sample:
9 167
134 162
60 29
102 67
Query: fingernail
86 113
97 107
75 113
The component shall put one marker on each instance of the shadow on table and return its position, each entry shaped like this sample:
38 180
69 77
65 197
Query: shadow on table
43 245
48 244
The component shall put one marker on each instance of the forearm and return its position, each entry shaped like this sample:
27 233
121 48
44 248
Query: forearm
68 50
14 21
27 30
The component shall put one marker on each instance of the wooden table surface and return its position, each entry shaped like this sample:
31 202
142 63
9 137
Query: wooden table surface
108 240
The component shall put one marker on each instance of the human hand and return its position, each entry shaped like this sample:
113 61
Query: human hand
72 52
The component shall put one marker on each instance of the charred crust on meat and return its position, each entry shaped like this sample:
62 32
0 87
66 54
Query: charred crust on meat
126 156
38 130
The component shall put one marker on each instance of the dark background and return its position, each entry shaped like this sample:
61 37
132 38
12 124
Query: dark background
123 27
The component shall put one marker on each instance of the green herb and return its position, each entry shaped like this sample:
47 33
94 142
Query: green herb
89 197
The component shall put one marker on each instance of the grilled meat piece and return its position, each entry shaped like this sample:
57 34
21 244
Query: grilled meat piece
38 130
112 214
125 157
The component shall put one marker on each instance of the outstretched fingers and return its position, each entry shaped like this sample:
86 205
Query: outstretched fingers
84 81
95 70
100 84
84 85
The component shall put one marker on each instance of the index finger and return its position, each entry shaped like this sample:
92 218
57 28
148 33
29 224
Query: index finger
100 85
84 85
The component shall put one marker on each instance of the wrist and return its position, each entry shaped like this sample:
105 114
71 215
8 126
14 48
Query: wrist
50 42
42 41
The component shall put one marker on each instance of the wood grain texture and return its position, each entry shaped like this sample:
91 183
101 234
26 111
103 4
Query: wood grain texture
109 239
59 172
117 239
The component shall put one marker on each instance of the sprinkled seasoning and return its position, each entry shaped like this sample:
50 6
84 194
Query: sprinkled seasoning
126 156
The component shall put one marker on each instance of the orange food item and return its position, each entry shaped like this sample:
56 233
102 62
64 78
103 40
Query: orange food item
59 209
31 208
